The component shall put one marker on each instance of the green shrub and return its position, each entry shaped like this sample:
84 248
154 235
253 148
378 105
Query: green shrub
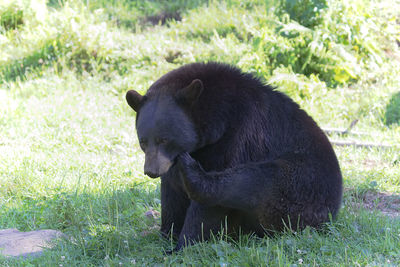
11 17
392 115
305 12
292 45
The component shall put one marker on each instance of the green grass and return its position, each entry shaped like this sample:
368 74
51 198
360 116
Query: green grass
69 158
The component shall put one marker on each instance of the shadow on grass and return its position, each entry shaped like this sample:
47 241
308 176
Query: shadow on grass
55 53
392 114
129 13
55 3
43 56
97 225
109 228
11 18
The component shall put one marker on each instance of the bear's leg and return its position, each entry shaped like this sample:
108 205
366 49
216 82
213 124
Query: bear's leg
174 204
278 191
242 187
200 222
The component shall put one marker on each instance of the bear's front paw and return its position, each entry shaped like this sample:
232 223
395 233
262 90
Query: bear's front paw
186 159
187 165
191 173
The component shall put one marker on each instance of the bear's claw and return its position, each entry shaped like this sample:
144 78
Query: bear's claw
186 159
186 163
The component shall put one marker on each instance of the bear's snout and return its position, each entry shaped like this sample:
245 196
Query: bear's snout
151 174
156 164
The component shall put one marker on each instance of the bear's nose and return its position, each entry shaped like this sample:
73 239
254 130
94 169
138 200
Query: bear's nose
151 174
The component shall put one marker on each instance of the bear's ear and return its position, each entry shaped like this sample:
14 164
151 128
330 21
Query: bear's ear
134 99
190 93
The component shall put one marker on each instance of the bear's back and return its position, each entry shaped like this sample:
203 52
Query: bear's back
238 118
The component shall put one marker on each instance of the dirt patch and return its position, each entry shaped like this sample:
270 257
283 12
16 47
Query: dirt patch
162 18
368 164
387 203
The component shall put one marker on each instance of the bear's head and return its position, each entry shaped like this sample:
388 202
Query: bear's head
164 126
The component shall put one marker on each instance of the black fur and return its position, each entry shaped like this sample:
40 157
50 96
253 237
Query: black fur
257 161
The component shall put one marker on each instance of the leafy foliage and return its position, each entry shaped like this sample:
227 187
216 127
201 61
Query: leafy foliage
392 114
305 12
11 16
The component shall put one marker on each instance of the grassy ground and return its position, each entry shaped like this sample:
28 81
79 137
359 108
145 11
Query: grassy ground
69 158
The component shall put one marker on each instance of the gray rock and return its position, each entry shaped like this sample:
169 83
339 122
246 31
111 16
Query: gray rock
152 214
15 243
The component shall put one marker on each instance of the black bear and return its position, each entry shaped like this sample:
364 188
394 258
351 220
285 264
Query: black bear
233 152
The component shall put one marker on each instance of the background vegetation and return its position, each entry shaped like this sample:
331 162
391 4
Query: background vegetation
69 158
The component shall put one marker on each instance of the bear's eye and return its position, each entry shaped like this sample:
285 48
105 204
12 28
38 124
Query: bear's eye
161 141
143 142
